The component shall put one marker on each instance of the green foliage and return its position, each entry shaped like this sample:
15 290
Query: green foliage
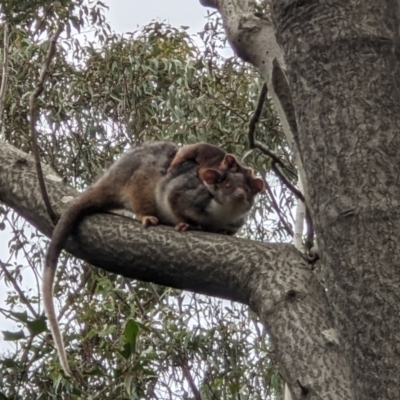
131 339
13 335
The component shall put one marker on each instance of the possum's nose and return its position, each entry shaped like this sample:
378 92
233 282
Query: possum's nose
240 193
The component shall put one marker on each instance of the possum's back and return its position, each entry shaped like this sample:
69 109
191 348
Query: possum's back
157 156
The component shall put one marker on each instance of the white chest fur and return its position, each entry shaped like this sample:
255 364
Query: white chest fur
166 215
225 214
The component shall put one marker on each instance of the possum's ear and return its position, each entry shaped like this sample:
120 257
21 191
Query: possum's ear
257 185
210 176
229 162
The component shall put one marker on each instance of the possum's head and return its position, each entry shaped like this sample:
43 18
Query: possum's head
236 189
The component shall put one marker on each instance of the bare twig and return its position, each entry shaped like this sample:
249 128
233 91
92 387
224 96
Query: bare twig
286 182
187 374
35 94
25 362
254 144
310 231
288 228
257 113
4 78
18 289
276 163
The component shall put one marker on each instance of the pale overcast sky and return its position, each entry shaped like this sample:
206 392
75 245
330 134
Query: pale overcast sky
123 16
127 15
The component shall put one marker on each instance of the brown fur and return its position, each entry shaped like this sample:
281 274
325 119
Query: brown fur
139 192
208 156
220 204
204 154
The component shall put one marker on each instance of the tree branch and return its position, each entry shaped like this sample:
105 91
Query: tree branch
18 289
209 3
4 79
188 376
254 144
32 119
273 279
286 182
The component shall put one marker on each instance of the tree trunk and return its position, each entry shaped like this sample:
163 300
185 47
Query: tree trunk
344 72
342 63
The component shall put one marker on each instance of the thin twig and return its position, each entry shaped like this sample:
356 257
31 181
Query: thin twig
264 149
286 182
187 374
276 163
310 231
4 78
25 361
257 113
34 140
277 209
18 289
254 144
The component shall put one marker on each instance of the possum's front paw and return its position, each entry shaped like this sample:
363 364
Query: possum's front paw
184 226
149 220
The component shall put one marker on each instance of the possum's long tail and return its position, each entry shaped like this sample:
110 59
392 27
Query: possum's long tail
83 205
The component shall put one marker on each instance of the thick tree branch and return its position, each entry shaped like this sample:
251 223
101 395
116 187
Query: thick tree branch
273 279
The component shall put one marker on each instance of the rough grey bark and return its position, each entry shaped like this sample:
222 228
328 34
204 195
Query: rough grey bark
342 63
343 68
273 279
